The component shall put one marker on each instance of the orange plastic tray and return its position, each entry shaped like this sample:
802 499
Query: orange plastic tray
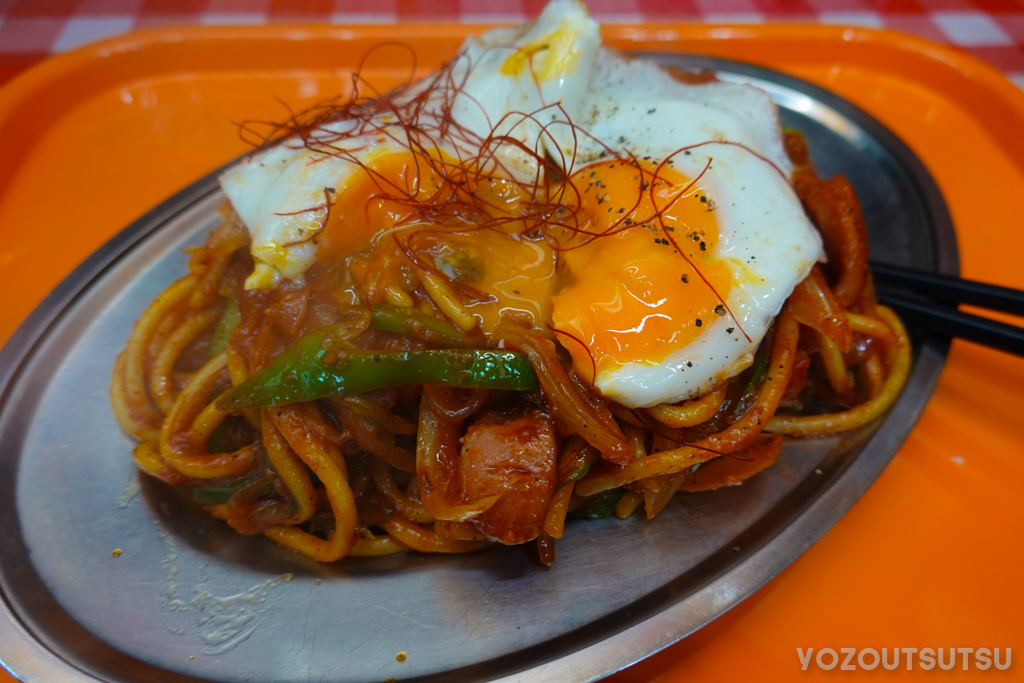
930 557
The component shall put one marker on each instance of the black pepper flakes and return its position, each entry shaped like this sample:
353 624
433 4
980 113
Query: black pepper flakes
698 322
720 309
729 330
685 278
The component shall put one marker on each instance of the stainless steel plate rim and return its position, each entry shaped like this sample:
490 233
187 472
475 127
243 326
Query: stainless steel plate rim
27 656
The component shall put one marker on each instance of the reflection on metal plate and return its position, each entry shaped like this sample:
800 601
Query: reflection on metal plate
169 609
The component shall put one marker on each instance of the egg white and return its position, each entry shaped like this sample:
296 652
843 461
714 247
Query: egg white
769 246
272 190
636 107
276 194
529 83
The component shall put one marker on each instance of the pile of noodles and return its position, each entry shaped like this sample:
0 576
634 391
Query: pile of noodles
379 473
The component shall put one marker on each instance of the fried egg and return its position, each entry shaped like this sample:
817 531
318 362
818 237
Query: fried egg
668 308
659 320
282 195
683 237
506 76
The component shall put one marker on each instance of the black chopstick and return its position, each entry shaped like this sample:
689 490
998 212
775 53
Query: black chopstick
897 286
950 289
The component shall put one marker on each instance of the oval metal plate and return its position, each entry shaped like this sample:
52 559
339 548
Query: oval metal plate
171 609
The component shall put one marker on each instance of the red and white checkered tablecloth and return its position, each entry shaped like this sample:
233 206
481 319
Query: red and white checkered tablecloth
30 30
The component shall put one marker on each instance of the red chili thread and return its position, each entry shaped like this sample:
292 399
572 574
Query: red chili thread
418 117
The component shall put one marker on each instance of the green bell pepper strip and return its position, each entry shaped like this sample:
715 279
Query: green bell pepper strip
219 441
302 374
229 320
581 456
749 396
600 506
581 471
214 495
218 495
414 323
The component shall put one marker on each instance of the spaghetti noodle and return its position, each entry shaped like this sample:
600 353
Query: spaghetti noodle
367 408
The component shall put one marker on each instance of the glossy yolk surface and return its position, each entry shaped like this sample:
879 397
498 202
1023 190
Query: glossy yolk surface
641 280
501 273
516 273
636 279
515 276
374 201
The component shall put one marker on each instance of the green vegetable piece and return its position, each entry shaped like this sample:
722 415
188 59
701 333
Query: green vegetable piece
756 380
229 320
600 506
462 266
302 374
214 495
218 495
219 441
414 323
579 465
576 475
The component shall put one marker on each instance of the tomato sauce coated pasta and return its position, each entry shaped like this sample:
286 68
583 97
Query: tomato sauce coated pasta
434 378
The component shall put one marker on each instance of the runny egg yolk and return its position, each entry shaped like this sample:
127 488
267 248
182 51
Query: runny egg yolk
511 276
641 277
636 279
515 275
370 205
